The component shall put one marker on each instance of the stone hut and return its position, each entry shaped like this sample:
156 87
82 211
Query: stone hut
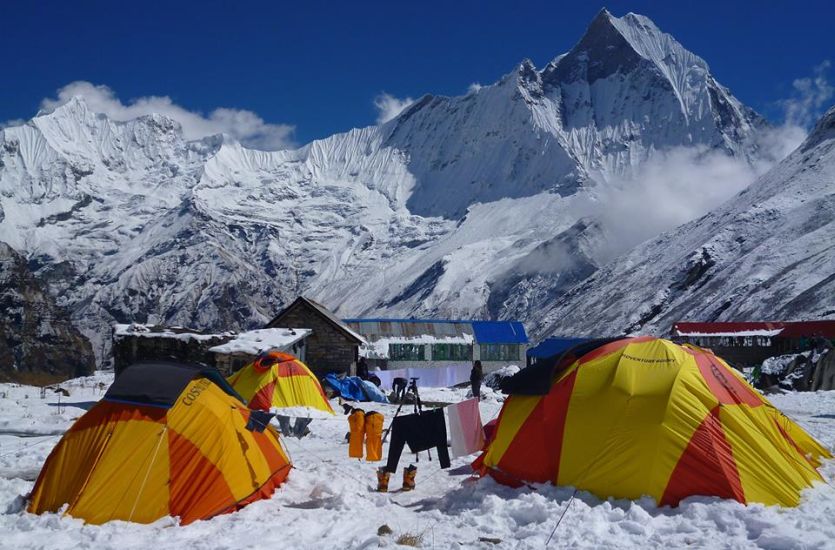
136 342
227 351
332 347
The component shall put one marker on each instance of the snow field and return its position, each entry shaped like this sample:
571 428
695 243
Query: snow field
329 500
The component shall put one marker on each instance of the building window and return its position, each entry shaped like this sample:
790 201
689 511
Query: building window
452 352
407 352
499 352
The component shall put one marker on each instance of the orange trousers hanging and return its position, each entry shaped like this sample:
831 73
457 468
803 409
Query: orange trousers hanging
356 423
373 436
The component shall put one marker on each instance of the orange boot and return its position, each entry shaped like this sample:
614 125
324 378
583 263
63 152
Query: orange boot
356 421
373 436
409 475
383 480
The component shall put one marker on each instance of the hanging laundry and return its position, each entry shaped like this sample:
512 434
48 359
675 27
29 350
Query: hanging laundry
422 432
356 423
373 436
466 433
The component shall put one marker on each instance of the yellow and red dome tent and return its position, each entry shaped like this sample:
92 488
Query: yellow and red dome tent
166 439
278 380
643 416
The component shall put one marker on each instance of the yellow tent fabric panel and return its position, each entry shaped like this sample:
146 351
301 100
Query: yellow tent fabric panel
239 458
87 469
139 494
770 469
247 381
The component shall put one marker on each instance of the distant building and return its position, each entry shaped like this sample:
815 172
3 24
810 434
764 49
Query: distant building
228 351
750 343
416 343
332 347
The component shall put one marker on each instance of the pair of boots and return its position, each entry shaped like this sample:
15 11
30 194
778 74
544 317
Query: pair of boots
409 475
299 429
367 427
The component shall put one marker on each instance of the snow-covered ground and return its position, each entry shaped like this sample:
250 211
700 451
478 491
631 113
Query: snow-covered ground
328 499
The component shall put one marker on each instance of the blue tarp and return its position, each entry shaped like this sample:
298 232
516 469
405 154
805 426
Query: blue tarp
553 346
349 387
499 332
373 392
355 389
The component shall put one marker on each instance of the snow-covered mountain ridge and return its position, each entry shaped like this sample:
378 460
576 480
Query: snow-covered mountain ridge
769 254
459 206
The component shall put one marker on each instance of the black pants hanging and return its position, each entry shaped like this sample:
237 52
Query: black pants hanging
421 432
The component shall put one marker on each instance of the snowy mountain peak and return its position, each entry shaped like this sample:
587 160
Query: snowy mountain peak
611 45
75 104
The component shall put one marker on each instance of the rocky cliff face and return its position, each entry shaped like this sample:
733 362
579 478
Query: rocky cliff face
39 343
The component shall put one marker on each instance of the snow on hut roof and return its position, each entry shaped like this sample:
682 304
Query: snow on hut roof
154 331
265 339
785 329
738 333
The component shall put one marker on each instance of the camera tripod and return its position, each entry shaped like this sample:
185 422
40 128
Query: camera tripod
418 405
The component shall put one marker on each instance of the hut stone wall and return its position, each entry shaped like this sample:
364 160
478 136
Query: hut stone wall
327 348
129 349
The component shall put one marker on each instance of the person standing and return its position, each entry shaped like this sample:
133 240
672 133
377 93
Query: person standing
476 375
362 368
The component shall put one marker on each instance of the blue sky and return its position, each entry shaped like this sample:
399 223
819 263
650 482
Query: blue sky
319 66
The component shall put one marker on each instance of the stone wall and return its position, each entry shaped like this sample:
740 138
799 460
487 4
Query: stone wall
327 349
128 350
230 363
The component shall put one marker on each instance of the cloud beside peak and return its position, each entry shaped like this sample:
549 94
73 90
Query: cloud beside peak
811 96
245 126
389 106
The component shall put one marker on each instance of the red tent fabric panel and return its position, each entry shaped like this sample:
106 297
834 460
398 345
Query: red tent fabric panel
187 499
537 445
263 398
290 368
706 467
723 383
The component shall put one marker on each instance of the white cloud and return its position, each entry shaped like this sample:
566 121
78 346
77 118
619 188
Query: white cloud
245 126
668 190
474 87
389 106
812 95
681 184
12 122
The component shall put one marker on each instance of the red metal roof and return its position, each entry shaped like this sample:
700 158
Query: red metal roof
790 329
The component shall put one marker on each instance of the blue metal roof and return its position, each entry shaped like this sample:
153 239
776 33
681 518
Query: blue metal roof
554 345
499 332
